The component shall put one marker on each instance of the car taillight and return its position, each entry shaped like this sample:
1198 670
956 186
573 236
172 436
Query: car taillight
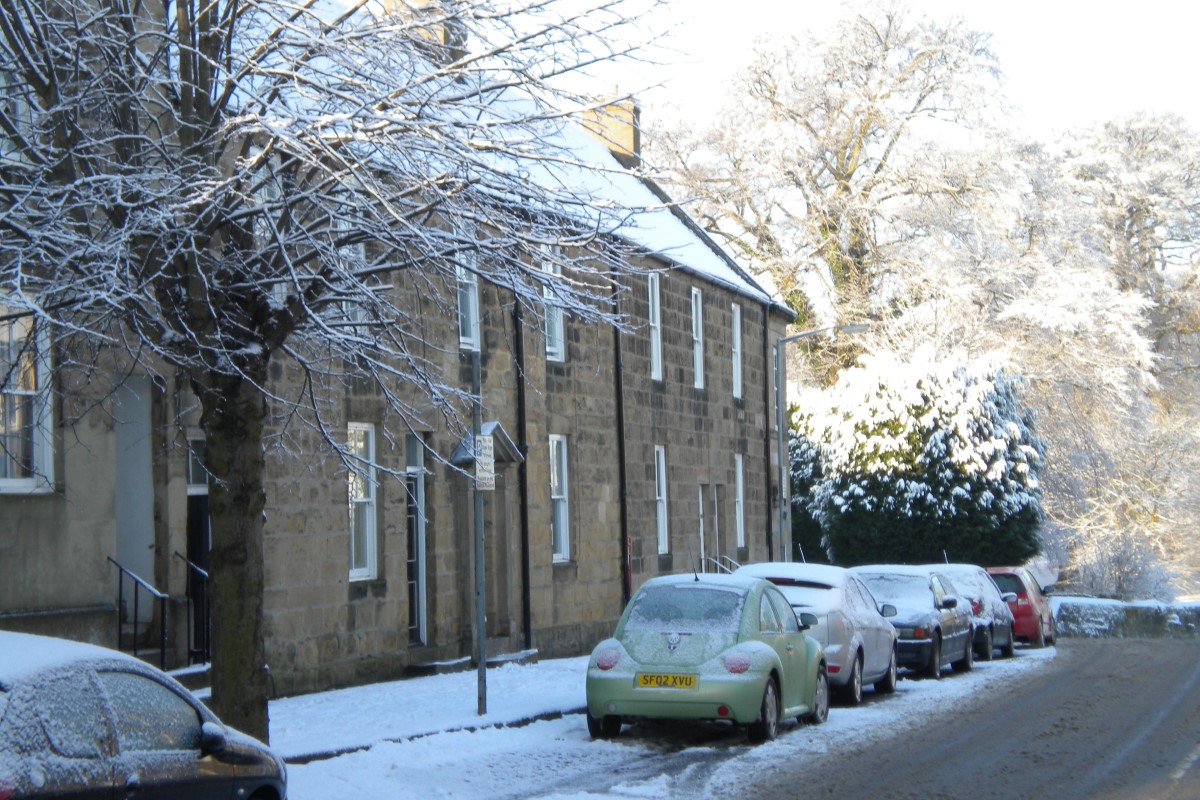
976 607
737 662
605 660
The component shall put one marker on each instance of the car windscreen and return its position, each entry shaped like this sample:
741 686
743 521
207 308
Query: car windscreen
906 590
686 608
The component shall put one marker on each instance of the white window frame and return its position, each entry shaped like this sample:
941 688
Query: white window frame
697 338
351 256
736 350
660 499
468 309
40 476
555 331
361 495
739 500
20 113
560 508
655 324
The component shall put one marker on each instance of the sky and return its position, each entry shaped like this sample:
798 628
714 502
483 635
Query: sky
1067 63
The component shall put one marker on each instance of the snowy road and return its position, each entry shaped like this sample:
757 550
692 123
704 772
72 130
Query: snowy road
556 759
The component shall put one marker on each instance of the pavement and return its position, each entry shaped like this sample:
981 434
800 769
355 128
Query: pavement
323 725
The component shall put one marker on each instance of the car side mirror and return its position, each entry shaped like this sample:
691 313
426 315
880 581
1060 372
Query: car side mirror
888 610
807 620
1009 597
949 602
212 738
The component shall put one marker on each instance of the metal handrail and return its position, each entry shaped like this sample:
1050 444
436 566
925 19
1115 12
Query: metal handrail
724 563
204 652
162 610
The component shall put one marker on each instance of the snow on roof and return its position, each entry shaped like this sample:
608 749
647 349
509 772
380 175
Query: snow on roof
656 223
23 655
822 573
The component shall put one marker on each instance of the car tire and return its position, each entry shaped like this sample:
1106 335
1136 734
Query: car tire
965 663
1053 640
1039 640
934 668
852 692
605 727
766 727
989 642
1009 649
887 684
820 709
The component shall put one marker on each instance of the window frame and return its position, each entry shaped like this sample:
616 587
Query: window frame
697 338
654 320
739 499
554 327
369 500
661 518
468 308
560 503
736 349
40 477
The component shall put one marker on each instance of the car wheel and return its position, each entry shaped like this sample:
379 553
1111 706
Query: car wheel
605 727
1053 632
852 691
934 668
765 728
1009 649
1039 640
965 663
887 684
820 709
985 649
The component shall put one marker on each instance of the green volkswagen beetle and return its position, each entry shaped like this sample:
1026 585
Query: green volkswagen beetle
707 647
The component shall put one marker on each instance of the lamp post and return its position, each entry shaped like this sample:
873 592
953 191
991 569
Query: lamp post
784 456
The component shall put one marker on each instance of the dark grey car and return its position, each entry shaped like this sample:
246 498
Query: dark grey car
933 627
80 721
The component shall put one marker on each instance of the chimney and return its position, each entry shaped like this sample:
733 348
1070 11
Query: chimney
618 125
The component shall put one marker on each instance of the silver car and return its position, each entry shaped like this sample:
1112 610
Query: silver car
859 641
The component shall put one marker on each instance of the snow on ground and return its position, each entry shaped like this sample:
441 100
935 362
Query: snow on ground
421 737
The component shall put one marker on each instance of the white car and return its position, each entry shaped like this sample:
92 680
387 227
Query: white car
859 641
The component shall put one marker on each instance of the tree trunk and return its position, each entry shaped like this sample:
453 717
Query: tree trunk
232 420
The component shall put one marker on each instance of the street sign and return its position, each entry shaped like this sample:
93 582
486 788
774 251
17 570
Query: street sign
485 464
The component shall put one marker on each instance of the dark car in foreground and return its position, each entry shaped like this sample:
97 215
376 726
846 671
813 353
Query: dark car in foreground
934 628
81 721
1033 618
707 647
990 614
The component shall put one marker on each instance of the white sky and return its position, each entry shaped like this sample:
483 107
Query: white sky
1067 63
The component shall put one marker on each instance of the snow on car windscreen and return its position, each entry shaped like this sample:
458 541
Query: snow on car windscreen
686 608
907 590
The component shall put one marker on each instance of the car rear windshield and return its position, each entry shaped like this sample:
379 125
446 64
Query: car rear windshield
805 594
1009 583
686 608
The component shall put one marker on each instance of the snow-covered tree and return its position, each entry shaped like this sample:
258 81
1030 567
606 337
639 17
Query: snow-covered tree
823 142
924 459
210 189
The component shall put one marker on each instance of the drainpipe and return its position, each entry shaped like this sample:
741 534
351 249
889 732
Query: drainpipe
523 478
622 477
770 377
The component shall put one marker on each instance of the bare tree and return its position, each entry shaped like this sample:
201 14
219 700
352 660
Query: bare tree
210 187
835 150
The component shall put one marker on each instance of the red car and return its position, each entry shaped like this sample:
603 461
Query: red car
1033 619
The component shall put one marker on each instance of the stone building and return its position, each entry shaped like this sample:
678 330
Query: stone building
619 454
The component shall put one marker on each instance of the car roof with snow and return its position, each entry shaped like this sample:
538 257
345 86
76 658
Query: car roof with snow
822 573
24 655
